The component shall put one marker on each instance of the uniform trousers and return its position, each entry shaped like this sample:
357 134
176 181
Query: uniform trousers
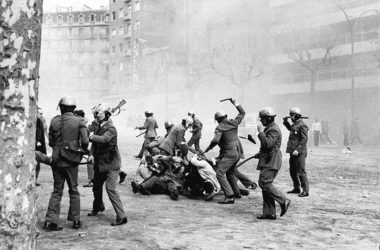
298 172
269 191
225 173
145 144
194 140
111 179
60 175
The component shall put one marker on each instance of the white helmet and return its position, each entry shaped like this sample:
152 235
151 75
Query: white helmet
267 111
295 111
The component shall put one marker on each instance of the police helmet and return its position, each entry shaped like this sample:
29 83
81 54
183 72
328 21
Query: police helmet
295 111
267 111
220 114
67 101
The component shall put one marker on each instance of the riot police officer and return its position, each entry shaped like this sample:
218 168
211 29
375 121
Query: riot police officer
297 149
68 138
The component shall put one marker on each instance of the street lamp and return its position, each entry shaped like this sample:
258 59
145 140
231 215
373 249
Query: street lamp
351 24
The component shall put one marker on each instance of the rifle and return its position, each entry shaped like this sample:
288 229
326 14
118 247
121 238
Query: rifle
121 104
302 117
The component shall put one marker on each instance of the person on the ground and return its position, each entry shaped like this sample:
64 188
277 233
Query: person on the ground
150 127
68 138
297 149
196 130
270 160
107 163
226 137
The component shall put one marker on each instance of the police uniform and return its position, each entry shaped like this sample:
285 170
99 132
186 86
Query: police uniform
298 137
150 126
197 134
66 129
270 160
226 137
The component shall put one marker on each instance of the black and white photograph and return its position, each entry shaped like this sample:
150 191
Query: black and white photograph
189 124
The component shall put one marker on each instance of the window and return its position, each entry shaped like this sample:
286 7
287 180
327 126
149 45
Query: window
80 31
92 18
121 13
121 47
70 32
113 15
137 5
113 1
113 50
60 20
70 19
81 46
121 66
107 18
121 30
113 32
107 31
137 25
128 30
92 32
81 18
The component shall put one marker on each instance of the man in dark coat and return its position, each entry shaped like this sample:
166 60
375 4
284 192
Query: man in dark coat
68 138
107 164
196 130
150 127
226 137
175 138
270 160
297 149
40 140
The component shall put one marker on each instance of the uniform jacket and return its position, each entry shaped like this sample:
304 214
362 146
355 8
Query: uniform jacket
297 137
197 128
226 135
74 133
270 156
174 139
105 150
150 125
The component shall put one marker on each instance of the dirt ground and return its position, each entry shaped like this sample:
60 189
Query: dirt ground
342 211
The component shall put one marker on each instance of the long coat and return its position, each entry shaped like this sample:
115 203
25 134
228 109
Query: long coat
105 150
73 133
174 140
150 126
196 128
298 137
226 136
270 156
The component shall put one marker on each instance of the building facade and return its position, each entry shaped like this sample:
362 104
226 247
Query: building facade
74 56
324 58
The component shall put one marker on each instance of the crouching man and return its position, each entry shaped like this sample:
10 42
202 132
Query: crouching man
107 164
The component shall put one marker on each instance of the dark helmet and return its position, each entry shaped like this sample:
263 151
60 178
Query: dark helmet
67 101
220 114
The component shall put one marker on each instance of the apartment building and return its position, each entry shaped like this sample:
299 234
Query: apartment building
347 77
74 56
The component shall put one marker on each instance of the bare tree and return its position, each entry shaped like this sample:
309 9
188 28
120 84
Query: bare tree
20 40
240 61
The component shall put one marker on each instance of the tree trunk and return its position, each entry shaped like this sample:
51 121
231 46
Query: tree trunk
313 78
20 40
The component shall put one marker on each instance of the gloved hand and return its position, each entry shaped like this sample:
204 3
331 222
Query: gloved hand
260 128
250 138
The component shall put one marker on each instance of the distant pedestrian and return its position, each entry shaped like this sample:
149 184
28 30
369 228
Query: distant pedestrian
316 128
325 132
346 132
355 131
